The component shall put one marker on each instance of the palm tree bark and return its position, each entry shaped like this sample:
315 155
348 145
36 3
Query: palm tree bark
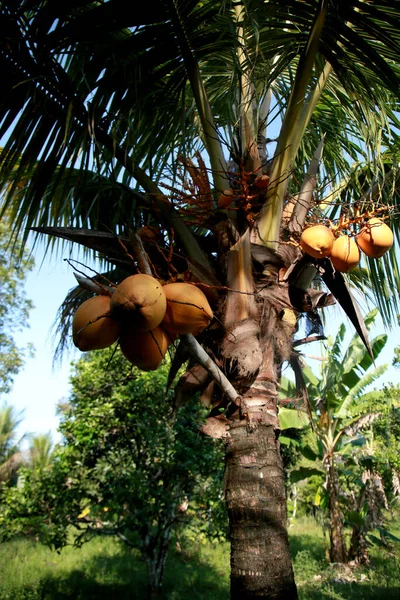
255 482
256 501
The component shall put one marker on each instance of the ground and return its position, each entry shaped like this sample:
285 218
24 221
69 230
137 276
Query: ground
104 569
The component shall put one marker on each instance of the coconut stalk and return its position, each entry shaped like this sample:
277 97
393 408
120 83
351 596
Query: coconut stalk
190 341
292 131
91 286
162 204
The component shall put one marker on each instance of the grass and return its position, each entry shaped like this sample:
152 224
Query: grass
317 580
105 569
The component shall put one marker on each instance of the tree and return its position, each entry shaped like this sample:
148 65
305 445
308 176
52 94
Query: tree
341 411
10 453
109 110
386 431
40 451
14 308
130 464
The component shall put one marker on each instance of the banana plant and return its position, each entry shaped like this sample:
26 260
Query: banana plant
119 122
340 415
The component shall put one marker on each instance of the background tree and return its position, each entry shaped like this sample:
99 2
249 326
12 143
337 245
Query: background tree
341 412
14 307
130 464
40 451
10 450
386 431
108 109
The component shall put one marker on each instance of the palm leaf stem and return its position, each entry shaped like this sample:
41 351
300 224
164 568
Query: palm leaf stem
247 95
290 135
206 361
240 306
304 200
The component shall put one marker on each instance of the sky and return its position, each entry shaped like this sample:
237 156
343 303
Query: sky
40 385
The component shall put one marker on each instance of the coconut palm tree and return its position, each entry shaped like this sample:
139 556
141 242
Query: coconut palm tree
121 122
40 450
340 413
10 453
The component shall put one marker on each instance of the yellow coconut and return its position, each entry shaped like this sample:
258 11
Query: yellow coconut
375 238
317 241
144 349
345 254
139 300
188 310
225 199
102 332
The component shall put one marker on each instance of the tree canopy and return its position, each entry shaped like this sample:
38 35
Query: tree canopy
129 464
14 307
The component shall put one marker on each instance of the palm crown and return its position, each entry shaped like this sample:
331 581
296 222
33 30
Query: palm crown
106 109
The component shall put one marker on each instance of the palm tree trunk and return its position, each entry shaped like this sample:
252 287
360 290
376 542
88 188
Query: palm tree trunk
338 548
256 499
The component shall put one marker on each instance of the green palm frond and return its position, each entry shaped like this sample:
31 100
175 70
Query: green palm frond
96 92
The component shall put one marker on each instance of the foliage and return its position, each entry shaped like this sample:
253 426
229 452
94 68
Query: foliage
386 432
340 446
396 359
129 465
10 454
14 307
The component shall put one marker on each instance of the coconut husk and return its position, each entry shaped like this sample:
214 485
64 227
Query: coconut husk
242 345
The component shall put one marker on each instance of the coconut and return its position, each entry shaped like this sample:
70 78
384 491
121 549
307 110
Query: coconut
375 238
262 182
345 254
144 349
139 300
104 330
317 241
225 199
188 310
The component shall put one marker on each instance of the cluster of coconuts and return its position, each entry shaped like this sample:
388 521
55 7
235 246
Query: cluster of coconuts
374 239
144 315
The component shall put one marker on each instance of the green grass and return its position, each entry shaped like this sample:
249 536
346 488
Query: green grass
317 580
104 569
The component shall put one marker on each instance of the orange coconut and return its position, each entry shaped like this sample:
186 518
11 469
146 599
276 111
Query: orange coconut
262 182
317 241
375 238
100 334
139 299
345 254
144 349
188 310
225 199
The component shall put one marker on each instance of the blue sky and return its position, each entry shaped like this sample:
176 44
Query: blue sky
39 386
